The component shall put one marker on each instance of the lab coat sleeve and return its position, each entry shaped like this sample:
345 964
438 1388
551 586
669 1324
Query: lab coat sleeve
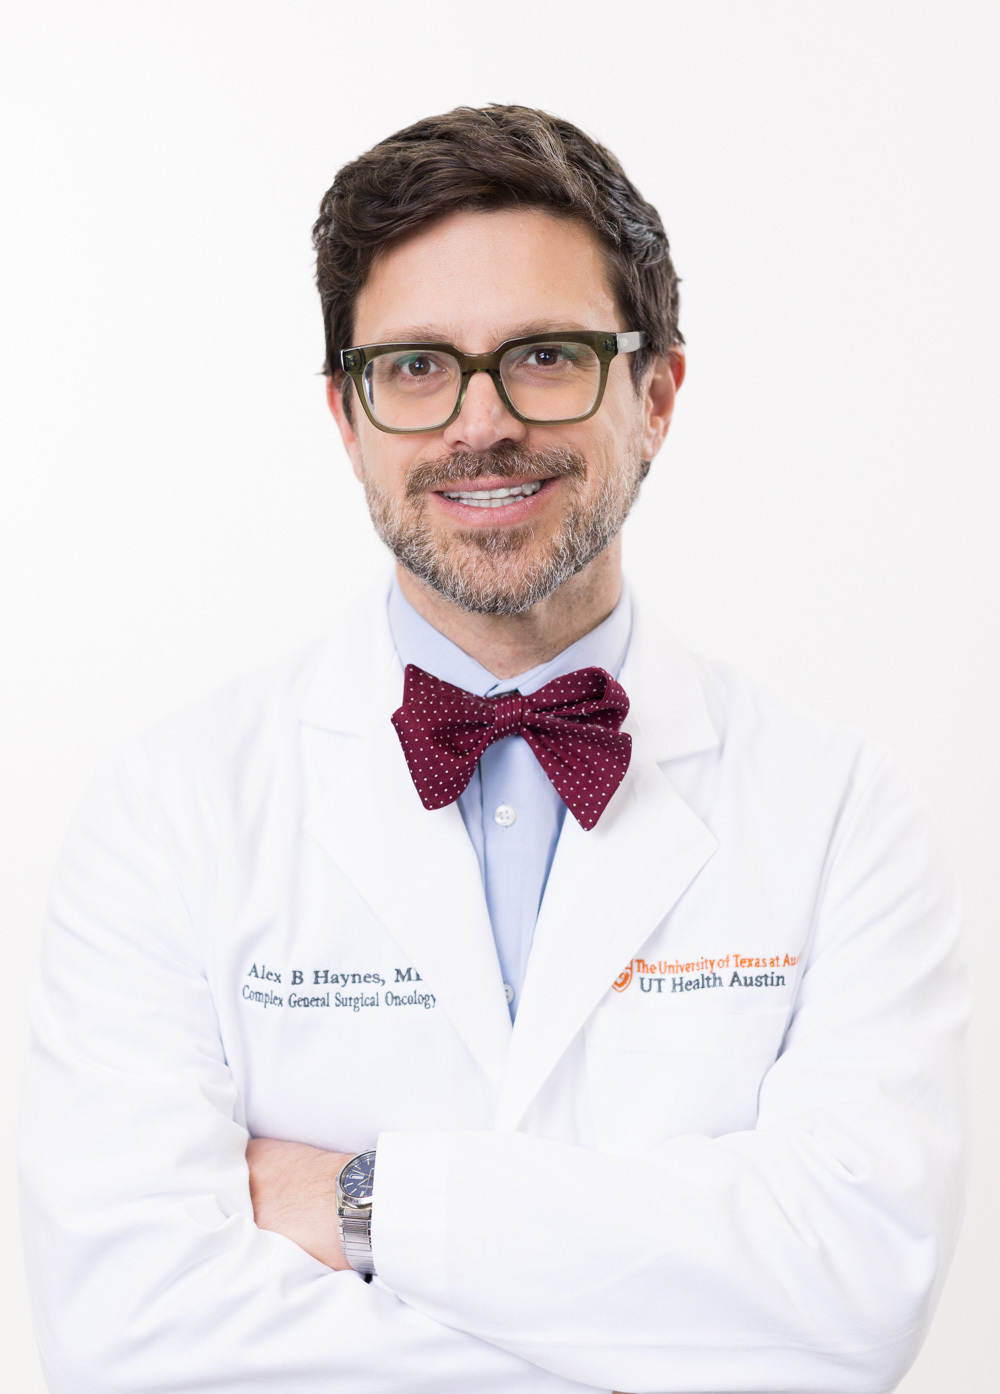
146 1270
805 1254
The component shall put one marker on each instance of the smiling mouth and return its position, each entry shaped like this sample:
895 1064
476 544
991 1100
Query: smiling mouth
494 498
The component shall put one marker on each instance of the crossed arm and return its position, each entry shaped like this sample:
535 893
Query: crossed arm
803 1252
293 1187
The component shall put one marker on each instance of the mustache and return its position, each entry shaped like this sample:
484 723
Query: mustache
503 462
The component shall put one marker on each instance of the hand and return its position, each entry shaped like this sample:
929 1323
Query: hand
293 1188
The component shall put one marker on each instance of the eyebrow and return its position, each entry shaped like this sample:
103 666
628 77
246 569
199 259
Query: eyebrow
434 334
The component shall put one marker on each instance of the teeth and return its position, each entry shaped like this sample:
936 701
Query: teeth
494 498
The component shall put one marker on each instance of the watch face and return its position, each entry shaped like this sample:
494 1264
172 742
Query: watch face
357 1178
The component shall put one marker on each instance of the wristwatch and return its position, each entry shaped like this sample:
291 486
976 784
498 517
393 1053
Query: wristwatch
355 1184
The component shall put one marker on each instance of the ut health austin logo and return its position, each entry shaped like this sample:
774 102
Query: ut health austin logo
706 972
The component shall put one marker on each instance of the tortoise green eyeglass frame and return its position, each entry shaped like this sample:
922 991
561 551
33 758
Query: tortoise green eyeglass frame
606 344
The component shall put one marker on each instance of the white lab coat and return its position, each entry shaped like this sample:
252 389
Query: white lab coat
720 1150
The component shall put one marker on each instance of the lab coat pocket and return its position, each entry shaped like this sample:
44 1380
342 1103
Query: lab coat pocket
656 1075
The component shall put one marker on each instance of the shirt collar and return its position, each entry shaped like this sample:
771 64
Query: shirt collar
417 641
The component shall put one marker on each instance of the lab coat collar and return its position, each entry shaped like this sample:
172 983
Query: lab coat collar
357 664
610 888
417 870
607 891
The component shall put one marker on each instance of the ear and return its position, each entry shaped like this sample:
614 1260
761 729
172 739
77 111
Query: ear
335 392
662 385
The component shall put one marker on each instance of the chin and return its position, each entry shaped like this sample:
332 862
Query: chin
499 571
493 575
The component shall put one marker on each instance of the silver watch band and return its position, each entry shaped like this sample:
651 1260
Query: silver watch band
356 1239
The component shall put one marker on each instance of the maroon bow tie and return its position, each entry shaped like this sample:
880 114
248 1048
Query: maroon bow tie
571 724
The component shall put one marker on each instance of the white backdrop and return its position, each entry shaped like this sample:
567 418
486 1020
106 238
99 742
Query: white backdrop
176 506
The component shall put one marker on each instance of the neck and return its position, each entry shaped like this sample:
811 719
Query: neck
506 645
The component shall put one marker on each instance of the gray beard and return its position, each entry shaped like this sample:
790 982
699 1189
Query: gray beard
488 571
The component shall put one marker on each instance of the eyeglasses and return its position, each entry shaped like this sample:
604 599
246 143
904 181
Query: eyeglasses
540 378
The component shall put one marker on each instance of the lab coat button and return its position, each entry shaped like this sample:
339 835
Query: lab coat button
504 815
509 991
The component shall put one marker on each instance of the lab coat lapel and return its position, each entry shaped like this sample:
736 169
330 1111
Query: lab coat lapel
416 869
609 888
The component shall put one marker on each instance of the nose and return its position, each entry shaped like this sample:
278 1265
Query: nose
483 420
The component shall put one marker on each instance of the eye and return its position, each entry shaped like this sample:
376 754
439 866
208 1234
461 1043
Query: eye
416 365
547 355
544 359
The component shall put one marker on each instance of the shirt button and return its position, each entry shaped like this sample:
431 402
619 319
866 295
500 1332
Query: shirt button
504 815
509 991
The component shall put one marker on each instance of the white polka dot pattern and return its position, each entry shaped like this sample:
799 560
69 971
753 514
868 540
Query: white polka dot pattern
572 725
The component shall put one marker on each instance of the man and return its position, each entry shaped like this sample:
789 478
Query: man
639 984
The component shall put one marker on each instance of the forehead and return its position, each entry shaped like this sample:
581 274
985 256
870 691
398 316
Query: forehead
477 278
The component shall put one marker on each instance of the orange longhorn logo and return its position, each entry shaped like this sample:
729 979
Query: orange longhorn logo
623 979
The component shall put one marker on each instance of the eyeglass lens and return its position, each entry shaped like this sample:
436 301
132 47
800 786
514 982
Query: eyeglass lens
416 389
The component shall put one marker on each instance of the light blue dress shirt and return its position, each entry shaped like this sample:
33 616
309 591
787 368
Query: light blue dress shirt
510 809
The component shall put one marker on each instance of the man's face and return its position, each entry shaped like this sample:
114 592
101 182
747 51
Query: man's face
475 280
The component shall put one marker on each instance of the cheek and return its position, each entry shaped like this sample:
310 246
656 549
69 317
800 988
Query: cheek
622 414
610 447
383 459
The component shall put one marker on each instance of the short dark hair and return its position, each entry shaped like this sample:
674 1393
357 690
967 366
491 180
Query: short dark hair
490 158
